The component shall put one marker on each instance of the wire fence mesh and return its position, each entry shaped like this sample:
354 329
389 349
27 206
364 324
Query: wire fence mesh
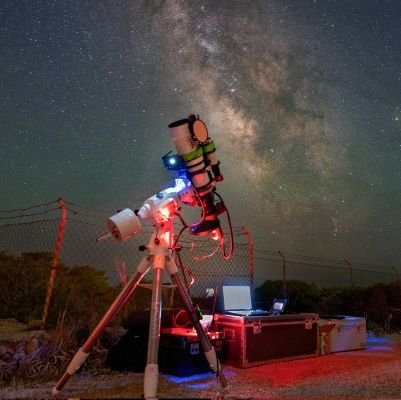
322 272
37 229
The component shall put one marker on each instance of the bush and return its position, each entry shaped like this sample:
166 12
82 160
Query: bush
302 296
23 282
82 293
379 303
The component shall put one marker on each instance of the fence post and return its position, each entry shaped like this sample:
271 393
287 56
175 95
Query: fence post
350 271
284 273
55 261
250 241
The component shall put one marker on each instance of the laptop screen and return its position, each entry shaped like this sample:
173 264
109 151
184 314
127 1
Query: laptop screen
237 298
279 305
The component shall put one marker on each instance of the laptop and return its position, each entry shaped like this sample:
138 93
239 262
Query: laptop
237 301
278 306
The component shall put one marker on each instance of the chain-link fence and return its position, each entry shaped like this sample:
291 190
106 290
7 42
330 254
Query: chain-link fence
323 272
69 231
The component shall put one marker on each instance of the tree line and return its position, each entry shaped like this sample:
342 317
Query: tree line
379 303
82 294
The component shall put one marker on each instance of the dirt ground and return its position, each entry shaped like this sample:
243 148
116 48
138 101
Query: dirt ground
371 373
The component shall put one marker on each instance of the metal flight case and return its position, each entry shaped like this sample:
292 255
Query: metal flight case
258 340
342 333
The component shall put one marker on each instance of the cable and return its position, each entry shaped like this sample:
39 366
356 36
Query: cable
86 208
204 256
186 323
29 208
199 199
227 256
184 270
29 215
185 226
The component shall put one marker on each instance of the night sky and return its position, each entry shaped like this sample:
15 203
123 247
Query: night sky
302 97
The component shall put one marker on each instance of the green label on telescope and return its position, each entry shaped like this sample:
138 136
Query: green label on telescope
192 155
209 148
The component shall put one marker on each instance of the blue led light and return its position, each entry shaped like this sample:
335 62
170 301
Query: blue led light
201 385
198 381
374 339
191 378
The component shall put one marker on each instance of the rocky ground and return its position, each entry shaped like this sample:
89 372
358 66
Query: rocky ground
371 373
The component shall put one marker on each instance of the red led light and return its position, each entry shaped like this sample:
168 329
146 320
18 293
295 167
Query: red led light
167 211
215 234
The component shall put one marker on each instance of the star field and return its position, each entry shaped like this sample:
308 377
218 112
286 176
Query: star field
302 98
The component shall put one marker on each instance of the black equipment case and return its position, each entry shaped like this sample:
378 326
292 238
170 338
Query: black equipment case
181 353
257 340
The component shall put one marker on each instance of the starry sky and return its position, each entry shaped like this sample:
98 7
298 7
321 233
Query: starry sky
302 98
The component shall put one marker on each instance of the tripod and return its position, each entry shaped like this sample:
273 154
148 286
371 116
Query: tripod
159 257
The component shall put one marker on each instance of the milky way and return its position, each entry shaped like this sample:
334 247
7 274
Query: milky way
301 98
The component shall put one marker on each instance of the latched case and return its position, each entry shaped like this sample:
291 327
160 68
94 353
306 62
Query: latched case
342 333
181 353
257 340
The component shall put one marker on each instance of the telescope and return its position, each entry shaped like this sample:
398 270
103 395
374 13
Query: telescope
197 169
